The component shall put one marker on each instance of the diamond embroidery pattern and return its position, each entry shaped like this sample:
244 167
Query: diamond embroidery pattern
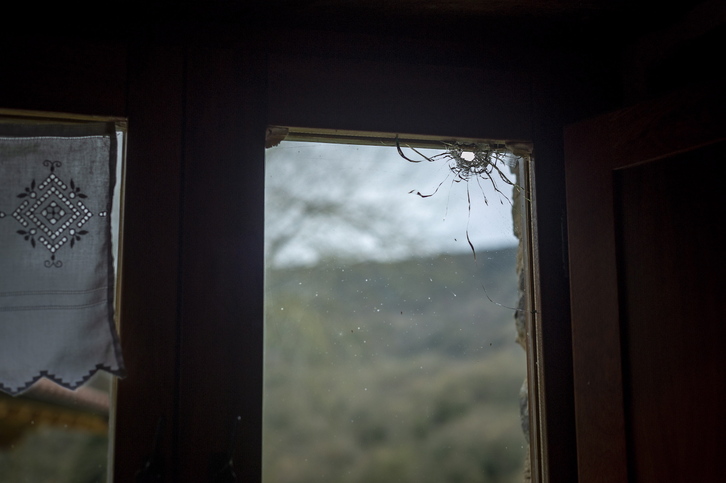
52 213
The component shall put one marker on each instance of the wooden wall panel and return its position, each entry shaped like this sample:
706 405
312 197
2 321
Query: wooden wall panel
644 133
551 389
222 261
400 97
151 258
53 73
671 238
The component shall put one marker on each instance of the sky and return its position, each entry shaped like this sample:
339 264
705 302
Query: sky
361 202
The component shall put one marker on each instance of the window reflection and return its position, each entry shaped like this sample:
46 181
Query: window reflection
52 434
385 360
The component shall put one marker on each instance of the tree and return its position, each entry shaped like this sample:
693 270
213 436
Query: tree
320 206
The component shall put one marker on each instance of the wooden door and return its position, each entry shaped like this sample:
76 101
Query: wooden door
646 239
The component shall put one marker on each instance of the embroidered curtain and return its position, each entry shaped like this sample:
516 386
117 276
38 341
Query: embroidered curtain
56 260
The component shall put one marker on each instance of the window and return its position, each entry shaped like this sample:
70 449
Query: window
393 309
49 433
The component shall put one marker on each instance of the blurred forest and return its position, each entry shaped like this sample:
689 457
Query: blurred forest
393 372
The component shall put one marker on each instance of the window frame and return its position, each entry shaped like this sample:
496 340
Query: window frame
203 129
537 441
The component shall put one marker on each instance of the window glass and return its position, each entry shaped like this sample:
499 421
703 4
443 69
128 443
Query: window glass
390 340
50 434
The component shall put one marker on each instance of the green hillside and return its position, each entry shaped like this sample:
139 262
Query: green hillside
394 372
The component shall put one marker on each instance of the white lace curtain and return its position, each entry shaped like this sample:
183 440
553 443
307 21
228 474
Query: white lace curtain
56 255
